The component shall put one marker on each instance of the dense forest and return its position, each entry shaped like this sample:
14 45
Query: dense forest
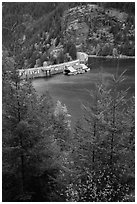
42 159
41 27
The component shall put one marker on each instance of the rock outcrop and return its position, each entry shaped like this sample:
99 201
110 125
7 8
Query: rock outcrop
96 30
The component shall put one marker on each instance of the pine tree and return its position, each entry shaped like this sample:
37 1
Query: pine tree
102 150
32 157
62 126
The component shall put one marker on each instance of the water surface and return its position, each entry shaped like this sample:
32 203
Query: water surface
74 90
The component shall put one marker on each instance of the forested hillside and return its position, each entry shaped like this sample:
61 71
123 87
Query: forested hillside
43 160
47 31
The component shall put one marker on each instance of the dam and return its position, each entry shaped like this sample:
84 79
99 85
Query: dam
47 70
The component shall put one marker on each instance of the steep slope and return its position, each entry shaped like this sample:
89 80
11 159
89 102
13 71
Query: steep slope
99 31
50 30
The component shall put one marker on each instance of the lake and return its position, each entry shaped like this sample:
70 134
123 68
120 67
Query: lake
73 90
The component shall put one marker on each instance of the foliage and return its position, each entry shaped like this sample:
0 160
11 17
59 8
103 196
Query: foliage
32 155
38 23
62 125
70 48
61 57
101 151
128 7
42 160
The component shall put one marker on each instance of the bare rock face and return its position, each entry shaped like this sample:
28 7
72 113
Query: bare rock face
75 24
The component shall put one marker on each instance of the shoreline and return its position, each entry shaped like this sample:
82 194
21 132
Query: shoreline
111 57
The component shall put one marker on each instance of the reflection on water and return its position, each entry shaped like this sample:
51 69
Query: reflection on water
73 90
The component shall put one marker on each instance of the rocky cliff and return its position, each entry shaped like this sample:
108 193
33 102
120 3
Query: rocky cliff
100 31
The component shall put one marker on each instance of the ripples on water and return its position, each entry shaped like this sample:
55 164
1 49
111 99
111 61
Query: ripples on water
73 90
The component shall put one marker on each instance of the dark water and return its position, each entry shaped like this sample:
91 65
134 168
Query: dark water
73 90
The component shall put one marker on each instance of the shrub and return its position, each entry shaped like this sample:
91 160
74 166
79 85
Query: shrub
71 49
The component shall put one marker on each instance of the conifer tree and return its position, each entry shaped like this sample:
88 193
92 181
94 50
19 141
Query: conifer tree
62 126
101 149
32 159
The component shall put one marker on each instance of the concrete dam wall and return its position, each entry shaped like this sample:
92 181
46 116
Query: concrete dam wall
47 70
